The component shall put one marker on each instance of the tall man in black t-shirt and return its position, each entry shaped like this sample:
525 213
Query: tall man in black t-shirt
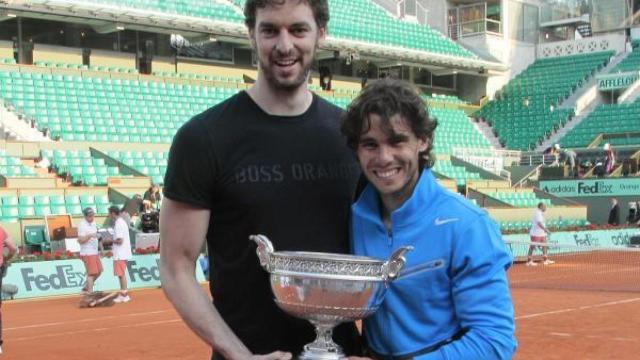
270 160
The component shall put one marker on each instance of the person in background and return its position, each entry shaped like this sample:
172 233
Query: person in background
121 250
609 159
538 234
269 160
6 242
89 249
131 210
43 163
631 217
614 213
564 157
151 198
462 310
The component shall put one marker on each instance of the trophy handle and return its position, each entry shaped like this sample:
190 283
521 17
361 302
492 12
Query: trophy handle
391 268
264 250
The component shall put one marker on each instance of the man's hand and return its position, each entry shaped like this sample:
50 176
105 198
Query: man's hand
276 355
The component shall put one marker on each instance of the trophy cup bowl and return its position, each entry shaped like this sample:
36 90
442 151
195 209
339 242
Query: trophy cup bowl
327 289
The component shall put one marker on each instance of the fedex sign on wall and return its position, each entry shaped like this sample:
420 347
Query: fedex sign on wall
64 277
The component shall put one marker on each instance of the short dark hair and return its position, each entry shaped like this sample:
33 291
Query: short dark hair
320 10
386 98
114 210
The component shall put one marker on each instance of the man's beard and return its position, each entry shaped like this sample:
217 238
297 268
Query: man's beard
288 85
272 80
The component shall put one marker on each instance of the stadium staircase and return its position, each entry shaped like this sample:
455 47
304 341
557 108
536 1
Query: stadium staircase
12 127
487 132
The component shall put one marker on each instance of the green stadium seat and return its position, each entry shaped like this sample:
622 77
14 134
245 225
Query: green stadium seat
35 238
58 209
42 210
26 211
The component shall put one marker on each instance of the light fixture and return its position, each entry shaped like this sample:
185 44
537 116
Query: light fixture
119 27
213 38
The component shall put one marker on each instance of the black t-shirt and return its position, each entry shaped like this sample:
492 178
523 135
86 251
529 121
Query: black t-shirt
291 178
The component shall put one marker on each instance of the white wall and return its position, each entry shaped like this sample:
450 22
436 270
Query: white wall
437 16
517 55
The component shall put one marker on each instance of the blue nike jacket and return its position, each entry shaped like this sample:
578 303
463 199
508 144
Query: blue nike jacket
469 293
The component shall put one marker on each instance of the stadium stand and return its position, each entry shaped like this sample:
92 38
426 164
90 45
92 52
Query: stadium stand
115 123
12 166
217 10
458 173
455 130
81 167
520 198
363 20
86 108
36 206
607 119
552 224
152 164
631 62
527 108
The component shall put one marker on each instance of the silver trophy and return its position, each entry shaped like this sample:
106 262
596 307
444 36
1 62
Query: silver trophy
327 289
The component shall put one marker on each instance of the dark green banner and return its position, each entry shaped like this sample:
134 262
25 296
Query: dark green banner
607 187
617 81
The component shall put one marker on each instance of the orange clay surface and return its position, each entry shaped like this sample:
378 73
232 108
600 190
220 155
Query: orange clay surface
550 325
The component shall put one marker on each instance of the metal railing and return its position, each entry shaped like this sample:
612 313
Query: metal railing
469 20
490 160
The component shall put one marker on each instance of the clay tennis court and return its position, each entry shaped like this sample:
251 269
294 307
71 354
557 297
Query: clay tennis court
551 324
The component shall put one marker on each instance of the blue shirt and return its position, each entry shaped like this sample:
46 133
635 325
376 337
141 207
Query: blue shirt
469 292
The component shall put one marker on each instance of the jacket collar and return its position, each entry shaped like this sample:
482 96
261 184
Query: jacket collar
414 208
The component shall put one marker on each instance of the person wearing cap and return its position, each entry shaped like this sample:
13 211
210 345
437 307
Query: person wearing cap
89 249
121 252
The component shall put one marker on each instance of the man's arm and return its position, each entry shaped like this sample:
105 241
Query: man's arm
84 238
9 244
183 229
544 228
481 295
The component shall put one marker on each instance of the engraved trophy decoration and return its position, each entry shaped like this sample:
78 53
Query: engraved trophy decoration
327 289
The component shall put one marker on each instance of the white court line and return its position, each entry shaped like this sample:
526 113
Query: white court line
586 307
67 333
560 334
84 320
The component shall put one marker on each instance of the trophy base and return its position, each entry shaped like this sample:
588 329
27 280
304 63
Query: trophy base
312 353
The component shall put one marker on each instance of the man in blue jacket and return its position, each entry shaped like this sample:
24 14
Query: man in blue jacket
462 310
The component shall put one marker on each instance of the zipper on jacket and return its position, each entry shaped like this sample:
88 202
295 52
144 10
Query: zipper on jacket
389 237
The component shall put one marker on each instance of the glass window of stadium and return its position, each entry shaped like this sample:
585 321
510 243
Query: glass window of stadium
67 34
523 22
9 37
609 15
